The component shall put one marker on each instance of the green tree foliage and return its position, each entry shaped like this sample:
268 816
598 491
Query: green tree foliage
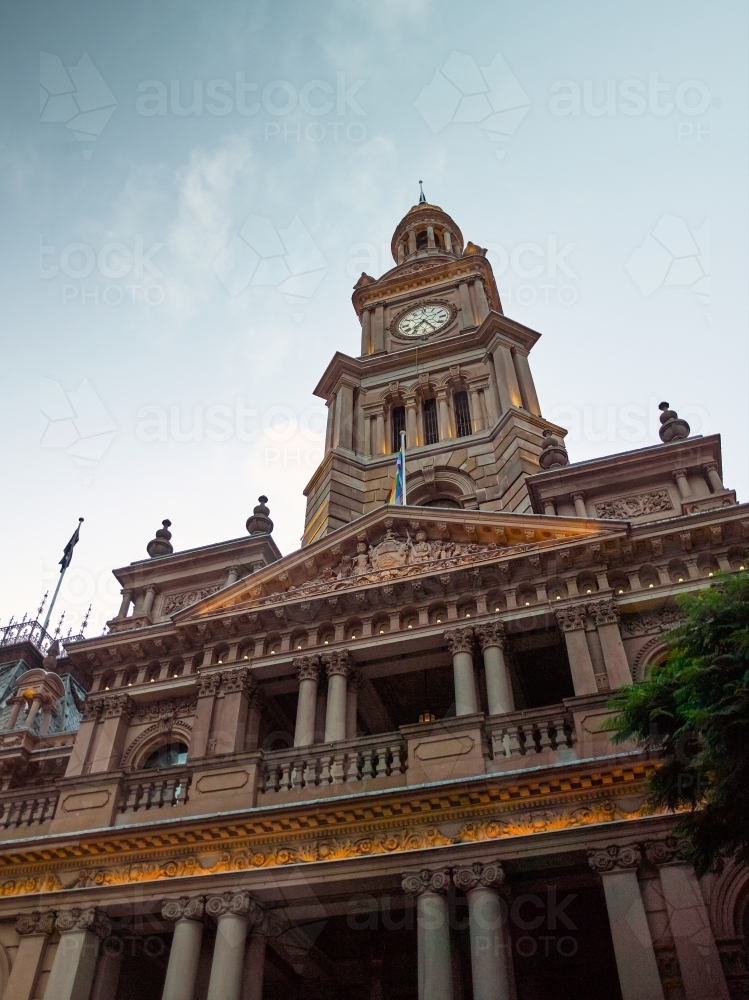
692 714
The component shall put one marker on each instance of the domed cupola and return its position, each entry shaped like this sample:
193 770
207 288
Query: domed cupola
426 231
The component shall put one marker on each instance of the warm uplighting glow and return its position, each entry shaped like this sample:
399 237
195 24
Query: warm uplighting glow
710 573
106 688
153 679
559 597
467 615
496 609
410 626
299 647
439 621
681 579
527 604
245 657
650 585
325 643
588 591
621 591
382 631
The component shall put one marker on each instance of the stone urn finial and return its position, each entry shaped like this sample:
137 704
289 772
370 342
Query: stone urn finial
53 651
260 523
160 545
553 454
672 427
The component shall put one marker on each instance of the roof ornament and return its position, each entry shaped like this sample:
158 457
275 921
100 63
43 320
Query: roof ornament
160 545
422 198
260 523
553 454
672 427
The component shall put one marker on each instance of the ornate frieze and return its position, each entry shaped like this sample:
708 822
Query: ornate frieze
415 883
467 877
91 709
652 622
460 640
614 857
115 706
175 602
635 504
663 852
38 922
184 908
175 707
491 634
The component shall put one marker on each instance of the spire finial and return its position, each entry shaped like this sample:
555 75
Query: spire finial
422 198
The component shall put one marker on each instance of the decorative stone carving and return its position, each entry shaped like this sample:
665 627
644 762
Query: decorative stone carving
208 684
91 709
604 612
239 903
572 618
460 640
425 880
176 707
337 662
184 908
469 877
662 852
612 857
553 454
491 634
116 706
36 923
260 523
175 602
239 679
89 919
652 623
634 505
307 667
161 545
672 428
178 728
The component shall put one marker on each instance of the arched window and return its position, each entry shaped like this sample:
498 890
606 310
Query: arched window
462 414
422 240
431 427
167 755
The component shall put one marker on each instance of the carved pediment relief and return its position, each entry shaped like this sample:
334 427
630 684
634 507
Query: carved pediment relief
386 546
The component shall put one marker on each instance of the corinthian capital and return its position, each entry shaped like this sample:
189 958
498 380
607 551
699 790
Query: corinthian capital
460 640
240 904
469 877
612 857
491 634
239 679
438 880
184 908
116 705
36 922
662 852
89 919
337 662
604 612
209 684
307 667
570 619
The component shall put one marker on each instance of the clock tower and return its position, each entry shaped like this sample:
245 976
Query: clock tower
440 360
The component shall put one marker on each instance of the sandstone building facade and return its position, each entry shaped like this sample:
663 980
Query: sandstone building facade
377 767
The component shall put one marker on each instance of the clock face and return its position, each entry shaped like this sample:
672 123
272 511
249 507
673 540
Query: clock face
423 322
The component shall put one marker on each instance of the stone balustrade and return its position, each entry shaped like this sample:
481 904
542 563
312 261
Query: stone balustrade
150 790
27 809
522 735
363 759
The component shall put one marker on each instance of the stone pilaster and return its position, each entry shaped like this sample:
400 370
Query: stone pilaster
72 972
34 930
606 616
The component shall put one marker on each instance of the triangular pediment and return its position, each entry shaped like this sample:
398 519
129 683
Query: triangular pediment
399 544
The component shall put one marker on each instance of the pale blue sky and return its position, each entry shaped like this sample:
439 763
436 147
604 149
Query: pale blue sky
130 307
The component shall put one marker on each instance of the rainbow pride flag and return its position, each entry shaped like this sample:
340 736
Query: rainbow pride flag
398 489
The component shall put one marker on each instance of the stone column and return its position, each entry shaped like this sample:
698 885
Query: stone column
352 704
633 947
482 303
507 381
606 616
549 507
465 314
232 912
18 704
491 959
254 966
107 976
580 508
713 477
493 639
232 576
308 672
34 930
366 331
460 643
117 711
378 329
127 599
476 413
73 968
443 414
330 424
680 478
338 667
699 962
571 622
184 956
432 932
208 686
411 422
344 423
379 446
525 378
36 704
151 592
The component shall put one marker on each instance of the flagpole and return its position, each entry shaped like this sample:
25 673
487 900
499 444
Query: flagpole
403 452
67 557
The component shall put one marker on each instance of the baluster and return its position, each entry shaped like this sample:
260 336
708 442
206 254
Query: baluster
338 768
312 772
383 768
169 791
4 814
498 744
15 811
299 765
131 802
367 763
514 740
545 736
402 758
569 732
325 762
284 783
